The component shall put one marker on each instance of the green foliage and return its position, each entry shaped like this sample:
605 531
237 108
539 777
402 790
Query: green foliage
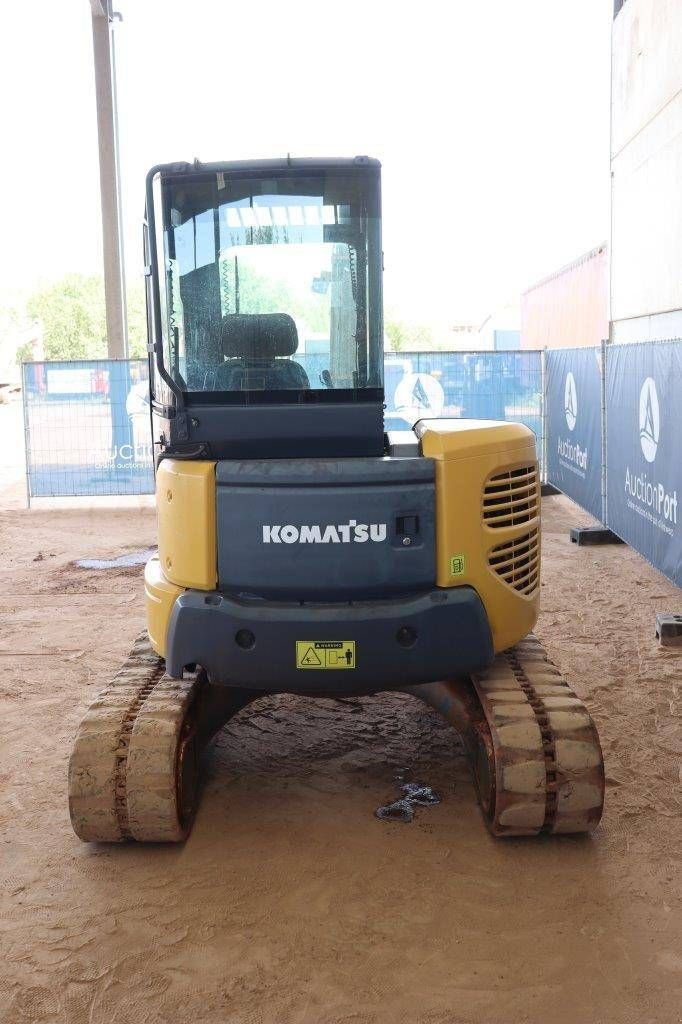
404 336
13 325
395 334
137 321
263 294
72 313
24 353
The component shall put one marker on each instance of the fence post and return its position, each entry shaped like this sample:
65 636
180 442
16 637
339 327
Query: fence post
27 459
543 412
604 498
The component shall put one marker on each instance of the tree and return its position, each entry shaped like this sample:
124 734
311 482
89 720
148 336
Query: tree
395 332
72 311
408 336
25 353
13 326
137 321
73 316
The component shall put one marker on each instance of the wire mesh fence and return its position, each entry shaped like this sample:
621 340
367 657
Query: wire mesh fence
87 427
613 439
574 422
643 399
474 385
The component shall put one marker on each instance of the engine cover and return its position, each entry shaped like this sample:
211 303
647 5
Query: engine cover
325 529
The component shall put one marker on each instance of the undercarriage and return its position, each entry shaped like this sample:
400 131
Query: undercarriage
531 745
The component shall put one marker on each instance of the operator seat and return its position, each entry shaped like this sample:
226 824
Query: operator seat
255 347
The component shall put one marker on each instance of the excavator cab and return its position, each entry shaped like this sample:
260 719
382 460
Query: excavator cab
264 291
300 549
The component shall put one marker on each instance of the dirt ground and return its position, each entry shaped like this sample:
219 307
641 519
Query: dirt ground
291 903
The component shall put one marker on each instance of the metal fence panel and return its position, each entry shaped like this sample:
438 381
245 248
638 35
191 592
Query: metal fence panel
644 468
573 396
87 428
87 422
476 385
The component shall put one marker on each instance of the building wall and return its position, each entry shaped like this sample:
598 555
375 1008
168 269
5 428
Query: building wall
646 165
570 308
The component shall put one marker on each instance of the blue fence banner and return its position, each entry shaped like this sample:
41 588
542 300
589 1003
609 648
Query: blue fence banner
87 428
644 465
477 385
573 393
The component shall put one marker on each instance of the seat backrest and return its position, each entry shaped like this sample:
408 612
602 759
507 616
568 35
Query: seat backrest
257 348
255 337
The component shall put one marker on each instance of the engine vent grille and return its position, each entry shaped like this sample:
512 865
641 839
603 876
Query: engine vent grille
512 497
517 562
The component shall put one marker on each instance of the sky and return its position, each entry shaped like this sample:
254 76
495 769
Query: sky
490 117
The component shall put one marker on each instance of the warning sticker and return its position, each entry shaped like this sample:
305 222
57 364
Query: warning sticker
457 565
323 654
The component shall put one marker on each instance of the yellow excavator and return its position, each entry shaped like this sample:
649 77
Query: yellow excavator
301 547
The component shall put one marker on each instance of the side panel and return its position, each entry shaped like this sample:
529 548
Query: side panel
488 519
159 596
186 504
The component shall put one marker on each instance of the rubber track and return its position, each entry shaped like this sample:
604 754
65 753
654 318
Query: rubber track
122 771
548 764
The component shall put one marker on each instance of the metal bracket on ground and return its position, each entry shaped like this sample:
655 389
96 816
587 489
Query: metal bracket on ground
669 629
581 535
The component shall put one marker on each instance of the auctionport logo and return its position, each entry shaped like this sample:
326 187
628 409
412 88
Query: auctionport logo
570 401
571 455
650 498
649 419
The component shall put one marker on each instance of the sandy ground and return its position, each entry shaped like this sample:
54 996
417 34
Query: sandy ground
291 903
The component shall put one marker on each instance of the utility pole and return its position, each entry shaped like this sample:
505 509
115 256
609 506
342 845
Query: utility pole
103 18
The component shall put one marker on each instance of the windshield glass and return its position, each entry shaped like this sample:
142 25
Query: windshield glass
270 284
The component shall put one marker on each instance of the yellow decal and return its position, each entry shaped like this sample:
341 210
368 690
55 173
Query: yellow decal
322 654
457 565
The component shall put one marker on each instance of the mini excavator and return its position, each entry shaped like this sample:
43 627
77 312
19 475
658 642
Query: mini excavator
301 548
